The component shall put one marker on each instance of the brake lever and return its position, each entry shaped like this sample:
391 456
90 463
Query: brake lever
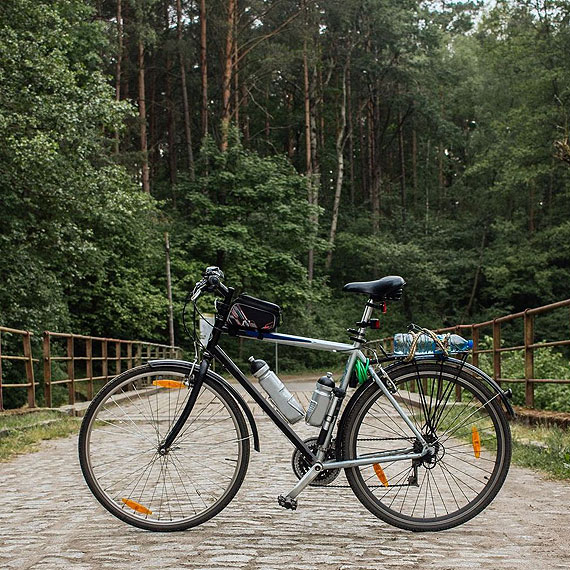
198 289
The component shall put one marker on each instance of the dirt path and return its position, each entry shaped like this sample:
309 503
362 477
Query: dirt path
48 519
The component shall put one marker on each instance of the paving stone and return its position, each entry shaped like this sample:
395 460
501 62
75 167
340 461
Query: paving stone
49 520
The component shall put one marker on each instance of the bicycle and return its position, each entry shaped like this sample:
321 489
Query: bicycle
424 441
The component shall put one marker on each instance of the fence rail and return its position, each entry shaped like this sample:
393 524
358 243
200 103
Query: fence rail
528 346
25 357
74 360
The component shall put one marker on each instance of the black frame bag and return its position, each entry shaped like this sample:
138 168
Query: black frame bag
250 314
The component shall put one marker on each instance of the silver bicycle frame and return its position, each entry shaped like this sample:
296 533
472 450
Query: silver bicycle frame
354 354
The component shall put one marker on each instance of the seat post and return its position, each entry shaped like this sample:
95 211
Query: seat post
365 318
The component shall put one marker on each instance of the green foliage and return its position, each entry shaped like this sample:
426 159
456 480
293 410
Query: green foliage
77 236
249 215
552 456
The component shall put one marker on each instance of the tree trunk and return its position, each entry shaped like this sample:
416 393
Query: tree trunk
204 67
290 134
350 134
171 126
402 166
142 117
308 156
477 273
414 165
370 145
151 111
187 127
235 70
227 75
267 125
340 143
245 120
169 291
427 182
364 179
375 189
531 225
171 110
118 69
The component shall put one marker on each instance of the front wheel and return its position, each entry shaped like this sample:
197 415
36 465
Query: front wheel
190 483
466 428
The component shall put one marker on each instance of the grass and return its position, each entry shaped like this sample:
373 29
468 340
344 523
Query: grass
544 448
23 432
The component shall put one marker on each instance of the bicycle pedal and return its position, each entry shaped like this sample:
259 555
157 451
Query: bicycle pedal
287 502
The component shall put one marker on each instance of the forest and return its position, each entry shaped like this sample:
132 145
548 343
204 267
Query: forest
297 144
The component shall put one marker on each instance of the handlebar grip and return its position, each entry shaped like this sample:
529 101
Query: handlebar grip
213 281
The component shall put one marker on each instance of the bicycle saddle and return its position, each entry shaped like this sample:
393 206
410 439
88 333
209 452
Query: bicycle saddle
385 289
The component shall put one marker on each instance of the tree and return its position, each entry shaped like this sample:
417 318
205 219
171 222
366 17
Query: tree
66 207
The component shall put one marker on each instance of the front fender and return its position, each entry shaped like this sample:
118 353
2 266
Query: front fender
216 378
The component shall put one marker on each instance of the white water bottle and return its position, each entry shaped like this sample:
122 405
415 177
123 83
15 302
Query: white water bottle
283 400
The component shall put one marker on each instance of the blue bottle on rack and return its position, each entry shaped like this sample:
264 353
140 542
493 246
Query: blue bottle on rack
426 345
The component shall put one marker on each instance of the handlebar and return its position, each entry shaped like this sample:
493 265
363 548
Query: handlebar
211 282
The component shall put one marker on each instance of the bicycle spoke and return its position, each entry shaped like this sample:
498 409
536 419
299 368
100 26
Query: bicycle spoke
169 489
460 469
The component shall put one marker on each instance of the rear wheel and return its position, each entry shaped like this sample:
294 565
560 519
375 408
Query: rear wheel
471 447
190 483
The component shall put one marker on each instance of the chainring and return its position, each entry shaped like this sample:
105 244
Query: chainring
301 465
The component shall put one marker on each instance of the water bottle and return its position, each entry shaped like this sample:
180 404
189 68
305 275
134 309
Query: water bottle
319 404
283 400
426 345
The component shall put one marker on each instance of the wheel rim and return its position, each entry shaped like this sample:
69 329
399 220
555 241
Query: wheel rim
134 480
458 477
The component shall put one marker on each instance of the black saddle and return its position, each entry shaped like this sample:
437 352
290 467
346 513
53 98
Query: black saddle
386 289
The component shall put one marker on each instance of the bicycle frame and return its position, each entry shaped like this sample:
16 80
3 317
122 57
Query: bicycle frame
368 430
328 425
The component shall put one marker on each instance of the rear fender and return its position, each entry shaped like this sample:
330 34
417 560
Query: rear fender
505 395
492 384
216 379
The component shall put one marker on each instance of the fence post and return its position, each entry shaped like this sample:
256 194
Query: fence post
1 396
89 355
496 353
138 354
118 358
130 354
105 360
47 369
70 370
30 369
475 352
528 359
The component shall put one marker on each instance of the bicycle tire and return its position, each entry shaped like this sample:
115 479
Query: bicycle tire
195 480
471 439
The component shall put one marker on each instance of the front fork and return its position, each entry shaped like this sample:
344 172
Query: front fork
196 387
221 318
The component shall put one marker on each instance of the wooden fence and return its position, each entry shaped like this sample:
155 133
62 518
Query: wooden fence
24 357
76 359
527 346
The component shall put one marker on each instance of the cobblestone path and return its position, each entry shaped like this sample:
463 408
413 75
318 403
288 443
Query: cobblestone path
49 520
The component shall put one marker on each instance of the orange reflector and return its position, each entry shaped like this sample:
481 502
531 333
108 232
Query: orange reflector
380 473
169 384
136 507
476 442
